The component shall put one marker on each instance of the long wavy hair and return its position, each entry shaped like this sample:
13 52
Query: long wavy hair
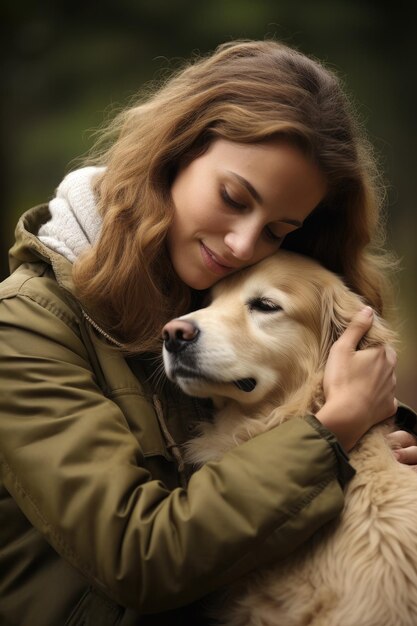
247 92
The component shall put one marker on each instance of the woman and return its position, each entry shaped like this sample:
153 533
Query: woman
246 150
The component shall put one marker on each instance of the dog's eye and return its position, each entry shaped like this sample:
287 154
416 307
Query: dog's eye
264 305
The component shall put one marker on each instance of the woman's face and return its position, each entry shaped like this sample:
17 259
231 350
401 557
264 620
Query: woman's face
234 204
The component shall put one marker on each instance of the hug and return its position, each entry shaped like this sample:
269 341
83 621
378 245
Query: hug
234 218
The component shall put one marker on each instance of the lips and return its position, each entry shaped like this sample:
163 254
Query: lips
214 263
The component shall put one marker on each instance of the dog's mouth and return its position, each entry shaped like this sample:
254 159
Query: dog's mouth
186 373
245 384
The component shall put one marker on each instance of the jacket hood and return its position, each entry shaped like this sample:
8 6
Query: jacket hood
29 249
56 233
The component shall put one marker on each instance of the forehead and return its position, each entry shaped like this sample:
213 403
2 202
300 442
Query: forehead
280 172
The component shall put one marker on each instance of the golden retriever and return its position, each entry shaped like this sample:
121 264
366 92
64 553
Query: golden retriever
259 351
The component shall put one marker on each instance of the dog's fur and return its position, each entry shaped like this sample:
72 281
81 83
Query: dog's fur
361 570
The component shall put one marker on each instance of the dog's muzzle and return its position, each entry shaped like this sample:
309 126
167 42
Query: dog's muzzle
178 335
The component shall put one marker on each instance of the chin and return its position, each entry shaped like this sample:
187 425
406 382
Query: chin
199 283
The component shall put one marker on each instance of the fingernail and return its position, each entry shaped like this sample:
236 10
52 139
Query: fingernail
368 311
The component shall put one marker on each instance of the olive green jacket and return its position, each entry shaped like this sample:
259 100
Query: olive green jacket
100 521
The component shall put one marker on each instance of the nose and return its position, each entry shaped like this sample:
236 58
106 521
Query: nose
242 241
177 334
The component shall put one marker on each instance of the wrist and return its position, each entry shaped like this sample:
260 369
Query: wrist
342 427
345 469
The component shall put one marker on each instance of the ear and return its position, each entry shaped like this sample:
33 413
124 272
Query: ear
339 305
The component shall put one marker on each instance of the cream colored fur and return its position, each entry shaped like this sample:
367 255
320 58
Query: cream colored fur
362 569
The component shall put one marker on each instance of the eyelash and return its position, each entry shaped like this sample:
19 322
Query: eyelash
264 305
237 205
228 200
275 238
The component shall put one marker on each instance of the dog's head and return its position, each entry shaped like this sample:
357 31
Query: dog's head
267 331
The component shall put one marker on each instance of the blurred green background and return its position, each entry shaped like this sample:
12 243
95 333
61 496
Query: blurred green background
66 66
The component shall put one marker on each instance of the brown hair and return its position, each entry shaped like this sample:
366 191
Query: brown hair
246 91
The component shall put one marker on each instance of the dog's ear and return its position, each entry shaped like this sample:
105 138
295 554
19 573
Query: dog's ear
339 305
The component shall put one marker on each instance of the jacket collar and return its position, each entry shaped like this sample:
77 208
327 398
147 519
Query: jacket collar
29 249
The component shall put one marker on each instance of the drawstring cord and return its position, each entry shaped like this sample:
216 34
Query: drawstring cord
171 445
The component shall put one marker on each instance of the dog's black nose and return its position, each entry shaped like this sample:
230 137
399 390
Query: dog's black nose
177 334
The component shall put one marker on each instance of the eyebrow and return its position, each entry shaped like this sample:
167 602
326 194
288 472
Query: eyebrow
256 196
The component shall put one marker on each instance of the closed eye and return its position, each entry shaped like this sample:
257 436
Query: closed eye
272 236
230 201
264 305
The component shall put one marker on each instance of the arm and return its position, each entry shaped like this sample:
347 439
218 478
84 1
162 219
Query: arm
73 466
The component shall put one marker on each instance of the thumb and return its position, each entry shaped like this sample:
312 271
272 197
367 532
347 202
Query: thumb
358 327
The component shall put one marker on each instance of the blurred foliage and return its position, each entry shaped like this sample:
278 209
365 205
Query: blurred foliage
66 66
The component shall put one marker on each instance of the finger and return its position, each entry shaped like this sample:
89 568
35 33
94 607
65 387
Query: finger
408 456
358 327
401 439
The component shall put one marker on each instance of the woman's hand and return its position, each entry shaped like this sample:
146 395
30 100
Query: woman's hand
358 385
404 446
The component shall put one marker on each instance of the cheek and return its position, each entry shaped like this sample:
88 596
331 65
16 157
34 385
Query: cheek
194 207
182 198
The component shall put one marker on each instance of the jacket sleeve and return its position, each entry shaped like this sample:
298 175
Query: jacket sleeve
71 463
406 419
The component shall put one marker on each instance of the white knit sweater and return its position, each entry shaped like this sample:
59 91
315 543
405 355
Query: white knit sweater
75 223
